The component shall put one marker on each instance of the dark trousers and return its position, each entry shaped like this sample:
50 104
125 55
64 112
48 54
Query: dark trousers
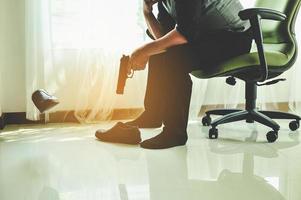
169 84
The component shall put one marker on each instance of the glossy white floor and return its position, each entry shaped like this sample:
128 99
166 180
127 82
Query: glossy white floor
65 162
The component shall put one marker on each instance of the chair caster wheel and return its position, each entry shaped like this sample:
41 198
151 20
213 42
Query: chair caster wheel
272 136
231 81
206 121
294 125
213 133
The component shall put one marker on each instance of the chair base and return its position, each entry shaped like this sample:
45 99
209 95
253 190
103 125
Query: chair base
250 115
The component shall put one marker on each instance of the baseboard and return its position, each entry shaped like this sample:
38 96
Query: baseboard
118 114
69 116
2 122
63 117
16 118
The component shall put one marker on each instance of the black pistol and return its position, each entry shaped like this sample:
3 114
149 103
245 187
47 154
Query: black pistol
123 74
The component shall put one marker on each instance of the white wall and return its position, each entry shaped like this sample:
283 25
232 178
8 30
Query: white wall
12 53
1 53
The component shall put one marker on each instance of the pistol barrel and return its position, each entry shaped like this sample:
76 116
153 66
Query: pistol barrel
124 62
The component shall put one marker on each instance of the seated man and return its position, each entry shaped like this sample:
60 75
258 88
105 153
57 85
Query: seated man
188 35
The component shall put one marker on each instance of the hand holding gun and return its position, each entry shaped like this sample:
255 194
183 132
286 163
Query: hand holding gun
123 74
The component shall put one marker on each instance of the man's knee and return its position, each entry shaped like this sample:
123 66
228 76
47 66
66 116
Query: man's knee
179 58
158 59
165 62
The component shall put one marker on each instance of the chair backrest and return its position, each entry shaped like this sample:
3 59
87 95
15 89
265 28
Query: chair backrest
280 32
280 36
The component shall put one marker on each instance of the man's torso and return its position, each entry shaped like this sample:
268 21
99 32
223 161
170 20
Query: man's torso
212 14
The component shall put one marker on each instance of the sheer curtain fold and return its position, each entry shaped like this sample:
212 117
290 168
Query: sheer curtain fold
295 82
73 49
38 54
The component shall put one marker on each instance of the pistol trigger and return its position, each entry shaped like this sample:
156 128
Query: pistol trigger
132 74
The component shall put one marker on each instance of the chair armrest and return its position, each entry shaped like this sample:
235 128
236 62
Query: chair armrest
264 13
254 15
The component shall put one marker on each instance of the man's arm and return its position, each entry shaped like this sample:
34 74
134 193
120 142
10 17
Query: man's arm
160 25
153 25
173 38
164 31
141 55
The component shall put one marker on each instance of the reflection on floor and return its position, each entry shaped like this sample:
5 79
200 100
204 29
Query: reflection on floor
63 162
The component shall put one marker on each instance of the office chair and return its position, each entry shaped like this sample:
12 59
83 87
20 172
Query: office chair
273 29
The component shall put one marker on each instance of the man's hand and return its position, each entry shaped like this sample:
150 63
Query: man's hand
148 5
140 56
138 59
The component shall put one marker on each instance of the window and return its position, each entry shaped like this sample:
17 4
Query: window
97 23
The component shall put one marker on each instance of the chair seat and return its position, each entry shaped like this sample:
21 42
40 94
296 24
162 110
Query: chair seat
275 59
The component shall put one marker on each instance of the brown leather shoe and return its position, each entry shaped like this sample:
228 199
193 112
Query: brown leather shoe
44 101
120 133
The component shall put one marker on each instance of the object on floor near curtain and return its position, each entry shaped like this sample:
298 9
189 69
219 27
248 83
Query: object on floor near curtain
44 101
73 49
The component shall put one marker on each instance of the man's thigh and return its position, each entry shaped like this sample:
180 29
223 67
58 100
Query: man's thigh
206 54
183 58
188 57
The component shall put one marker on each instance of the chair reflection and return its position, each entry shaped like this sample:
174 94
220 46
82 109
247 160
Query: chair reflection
173 178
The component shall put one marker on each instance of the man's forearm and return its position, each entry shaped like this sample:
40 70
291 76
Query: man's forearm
140 56
173 38
154 25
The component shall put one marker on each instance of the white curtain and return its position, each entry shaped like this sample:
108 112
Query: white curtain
73 49
38 52
294 77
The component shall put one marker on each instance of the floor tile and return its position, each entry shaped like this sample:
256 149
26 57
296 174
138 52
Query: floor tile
66 162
